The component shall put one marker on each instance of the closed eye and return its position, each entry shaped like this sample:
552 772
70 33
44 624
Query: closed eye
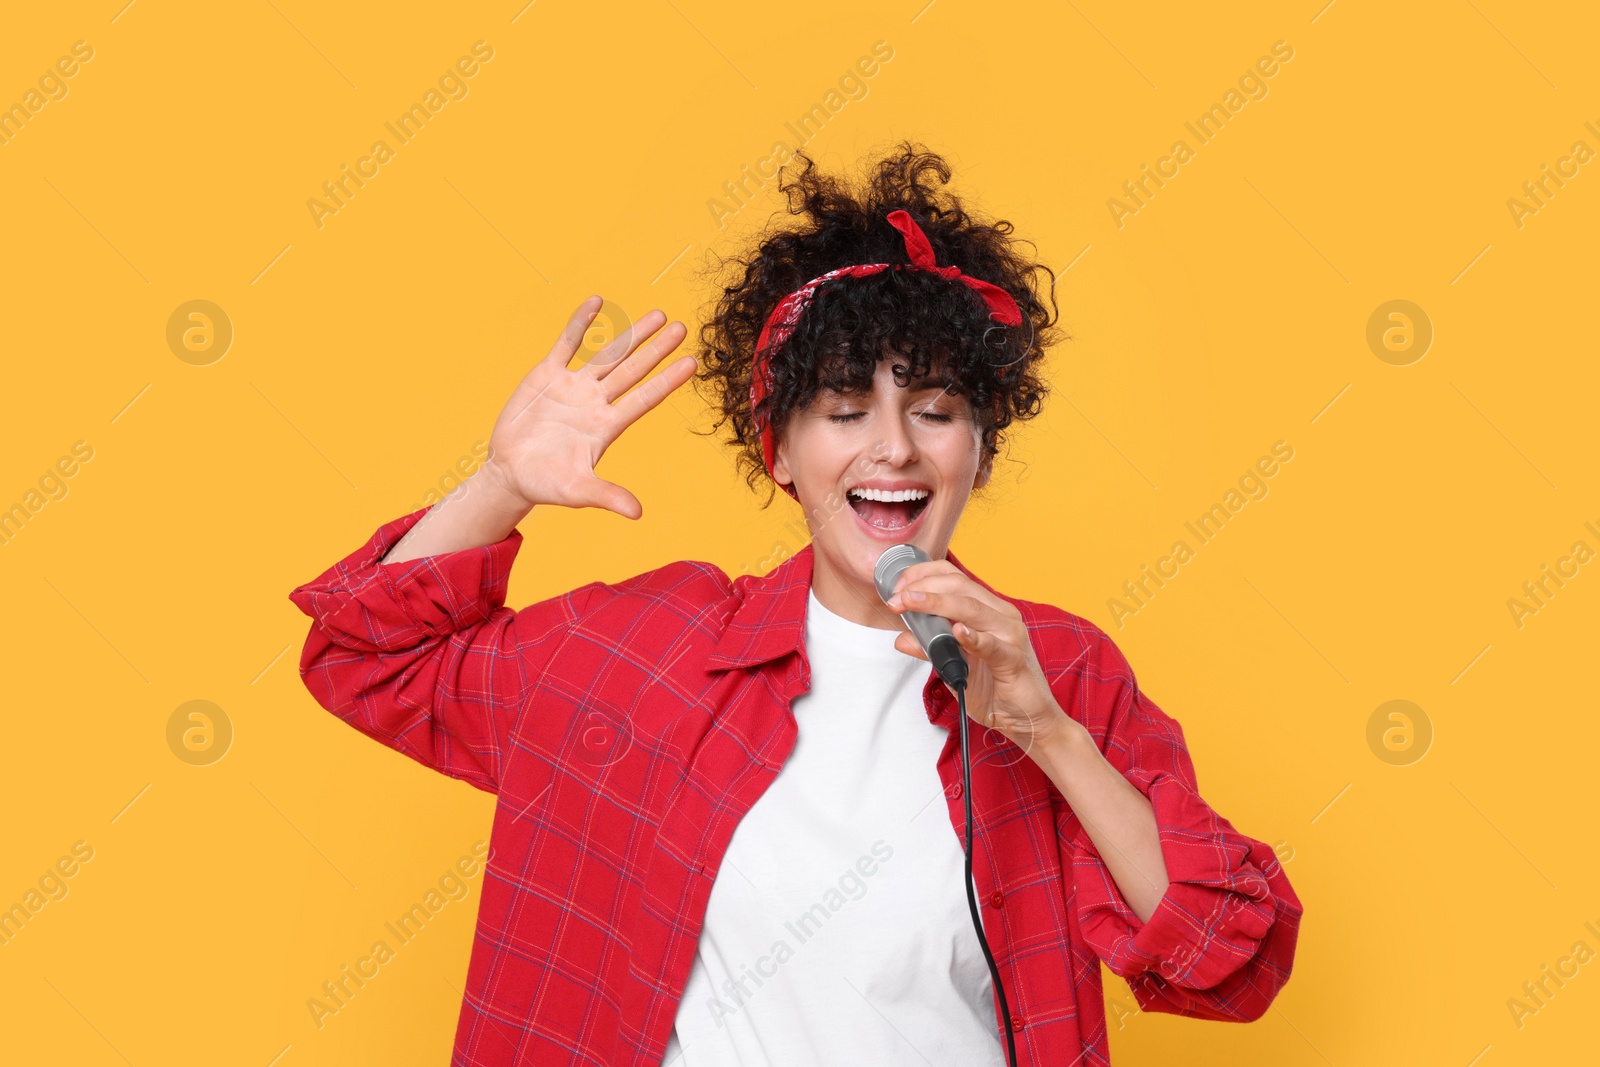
932 415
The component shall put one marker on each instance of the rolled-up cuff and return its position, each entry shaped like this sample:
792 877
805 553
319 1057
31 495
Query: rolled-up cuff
370 606
1215 912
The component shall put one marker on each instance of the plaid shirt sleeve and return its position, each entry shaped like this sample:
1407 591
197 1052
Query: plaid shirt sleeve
423 656
1221 942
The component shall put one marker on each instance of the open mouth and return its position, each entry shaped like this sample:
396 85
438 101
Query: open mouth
889 509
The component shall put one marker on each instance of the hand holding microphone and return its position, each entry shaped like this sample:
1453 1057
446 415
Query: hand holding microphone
1005 686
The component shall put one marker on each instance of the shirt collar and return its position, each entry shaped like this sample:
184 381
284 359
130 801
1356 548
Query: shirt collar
769 617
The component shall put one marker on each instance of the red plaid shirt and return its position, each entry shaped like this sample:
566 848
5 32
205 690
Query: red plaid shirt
626 728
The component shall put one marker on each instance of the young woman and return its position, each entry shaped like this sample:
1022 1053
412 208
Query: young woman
717 838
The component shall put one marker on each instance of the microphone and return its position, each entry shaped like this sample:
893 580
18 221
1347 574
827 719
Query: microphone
931 631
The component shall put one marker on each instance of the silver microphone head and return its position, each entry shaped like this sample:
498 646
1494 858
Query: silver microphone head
895 559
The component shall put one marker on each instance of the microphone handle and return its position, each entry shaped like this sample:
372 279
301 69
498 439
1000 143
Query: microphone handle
944 651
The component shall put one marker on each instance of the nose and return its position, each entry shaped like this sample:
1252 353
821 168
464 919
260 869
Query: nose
898 446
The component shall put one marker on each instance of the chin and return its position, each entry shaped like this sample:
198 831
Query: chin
864 552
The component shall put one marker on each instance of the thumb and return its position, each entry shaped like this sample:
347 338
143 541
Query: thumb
907 642
599 493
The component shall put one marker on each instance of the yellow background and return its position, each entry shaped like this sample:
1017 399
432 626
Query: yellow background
371 354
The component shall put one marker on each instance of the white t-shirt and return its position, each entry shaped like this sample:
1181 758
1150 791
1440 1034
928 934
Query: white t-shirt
837 929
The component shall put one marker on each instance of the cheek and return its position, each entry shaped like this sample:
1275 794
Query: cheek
829 451
957 455
815 475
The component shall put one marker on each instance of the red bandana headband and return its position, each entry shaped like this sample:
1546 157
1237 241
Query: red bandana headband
781 323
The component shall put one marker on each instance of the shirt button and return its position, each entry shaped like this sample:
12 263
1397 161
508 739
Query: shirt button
1016 1023
995 898
955 791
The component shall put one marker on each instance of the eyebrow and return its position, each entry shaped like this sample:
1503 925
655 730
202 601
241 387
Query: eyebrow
945 388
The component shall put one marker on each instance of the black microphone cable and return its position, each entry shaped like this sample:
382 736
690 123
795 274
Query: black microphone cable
942 649
972 900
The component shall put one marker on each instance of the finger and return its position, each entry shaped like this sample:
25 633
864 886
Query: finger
923 570
953 581
965 612
649 355
595 492
907 642
1006 647
641 400
979 642
572 333
608 358
937 582
955 606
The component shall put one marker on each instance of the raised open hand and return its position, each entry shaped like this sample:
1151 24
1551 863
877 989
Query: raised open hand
558 422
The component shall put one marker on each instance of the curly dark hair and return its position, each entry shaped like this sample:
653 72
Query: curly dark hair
940 327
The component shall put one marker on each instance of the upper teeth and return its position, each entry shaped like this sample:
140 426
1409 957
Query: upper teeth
889 496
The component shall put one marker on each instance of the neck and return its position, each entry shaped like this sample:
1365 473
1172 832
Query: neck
850 596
